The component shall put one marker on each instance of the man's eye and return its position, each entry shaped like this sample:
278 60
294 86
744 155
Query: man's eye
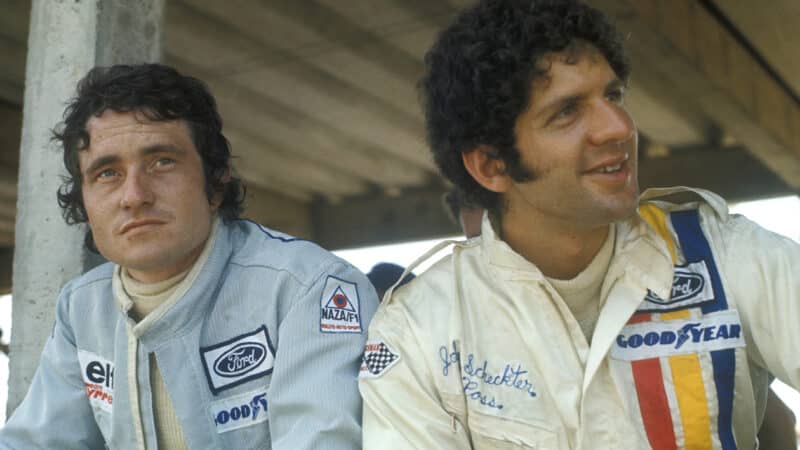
616 96
566 111
164 162
106 174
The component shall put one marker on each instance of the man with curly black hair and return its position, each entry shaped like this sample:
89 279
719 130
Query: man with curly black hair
585 316
205 331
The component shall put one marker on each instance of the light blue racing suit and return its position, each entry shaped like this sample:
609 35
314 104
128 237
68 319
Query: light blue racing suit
262 352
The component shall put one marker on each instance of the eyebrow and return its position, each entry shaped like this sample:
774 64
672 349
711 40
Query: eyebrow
576 98
145 151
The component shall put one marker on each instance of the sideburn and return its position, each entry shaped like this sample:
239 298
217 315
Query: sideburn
516 170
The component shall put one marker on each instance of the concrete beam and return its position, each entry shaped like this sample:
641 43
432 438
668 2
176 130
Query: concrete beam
290 130
313 90
661 118
292 171
292 44
701 64
381 219
333 27
279 212
65 40
733 173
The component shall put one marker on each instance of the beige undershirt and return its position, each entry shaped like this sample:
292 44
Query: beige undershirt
146 297
582 293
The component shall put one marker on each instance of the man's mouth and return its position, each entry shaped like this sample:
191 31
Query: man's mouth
609 169
134 224
612 166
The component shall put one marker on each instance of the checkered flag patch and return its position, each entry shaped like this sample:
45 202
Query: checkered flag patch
378 358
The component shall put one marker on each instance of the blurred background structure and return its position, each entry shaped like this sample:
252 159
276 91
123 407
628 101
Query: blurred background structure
320 105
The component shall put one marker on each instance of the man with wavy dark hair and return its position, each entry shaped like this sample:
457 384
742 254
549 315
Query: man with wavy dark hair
585 316
205 331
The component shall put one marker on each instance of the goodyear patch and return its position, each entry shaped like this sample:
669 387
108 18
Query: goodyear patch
239 411
691 286
98 377
238 360
716 331
378 359
340 311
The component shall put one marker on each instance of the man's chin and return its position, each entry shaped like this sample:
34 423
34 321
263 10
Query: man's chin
624 207
143 262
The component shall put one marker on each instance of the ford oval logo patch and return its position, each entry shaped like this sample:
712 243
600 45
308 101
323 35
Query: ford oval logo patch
240 359
691 287
686 285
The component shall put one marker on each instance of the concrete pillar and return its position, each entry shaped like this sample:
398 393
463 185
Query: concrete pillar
66 39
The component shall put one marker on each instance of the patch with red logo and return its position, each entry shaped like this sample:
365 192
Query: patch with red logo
378 358
98 377
339 307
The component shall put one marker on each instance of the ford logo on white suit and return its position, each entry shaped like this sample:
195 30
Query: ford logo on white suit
686 285
240 359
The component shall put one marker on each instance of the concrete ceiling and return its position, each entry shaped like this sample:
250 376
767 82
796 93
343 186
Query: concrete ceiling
320 104
771 28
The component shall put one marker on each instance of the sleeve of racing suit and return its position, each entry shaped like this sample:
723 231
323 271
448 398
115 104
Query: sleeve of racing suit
55 412
313 395
402 407
763 269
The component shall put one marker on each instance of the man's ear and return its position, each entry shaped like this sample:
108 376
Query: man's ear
486 168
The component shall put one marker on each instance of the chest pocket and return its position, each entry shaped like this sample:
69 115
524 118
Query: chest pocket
490 432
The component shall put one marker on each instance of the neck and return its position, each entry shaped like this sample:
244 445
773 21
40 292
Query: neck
161 274
560 250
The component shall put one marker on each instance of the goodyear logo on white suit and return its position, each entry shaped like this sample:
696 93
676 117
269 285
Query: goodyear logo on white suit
645 340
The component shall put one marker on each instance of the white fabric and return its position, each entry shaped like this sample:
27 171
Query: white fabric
485 312
143 299
582 293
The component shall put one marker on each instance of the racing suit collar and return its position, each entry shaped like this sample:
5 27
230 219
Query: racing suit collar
638 251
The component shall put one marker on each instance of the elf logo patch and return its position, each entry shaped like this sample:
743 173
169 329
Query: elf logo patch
339 307
98 377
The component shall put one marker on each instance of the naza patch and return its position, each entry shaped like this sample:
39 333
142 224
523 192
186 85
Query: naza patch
716 331
340 311
238 360
378 359
239 411
98 377
691 286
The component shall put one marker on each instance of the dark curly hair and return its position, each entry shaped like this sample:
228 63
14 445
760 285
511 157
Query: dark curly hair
161 94
480 72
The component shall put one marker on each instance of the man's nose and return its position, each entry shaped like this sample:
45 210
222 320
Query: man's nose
136 190
612 124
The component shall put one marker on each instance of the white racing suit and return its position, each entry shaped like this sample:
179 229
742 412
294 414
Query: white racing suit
480 351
